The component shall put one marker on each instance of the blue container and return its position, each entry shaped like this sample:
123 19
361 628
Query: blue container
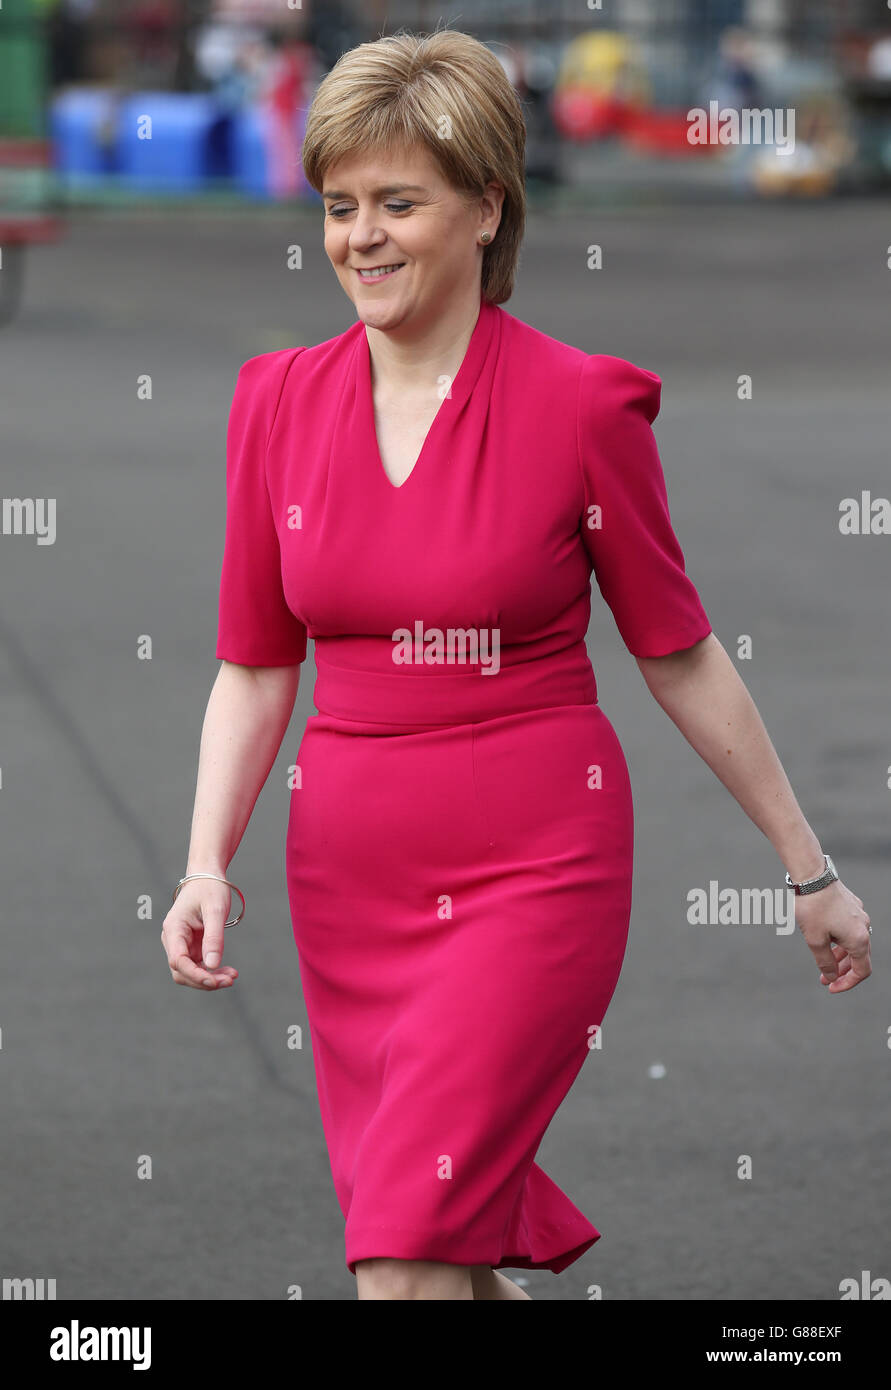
82 127
249 164
163 140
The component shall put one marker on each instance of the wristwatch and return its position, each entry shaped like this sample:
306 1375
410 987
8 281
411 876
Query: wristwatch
812 885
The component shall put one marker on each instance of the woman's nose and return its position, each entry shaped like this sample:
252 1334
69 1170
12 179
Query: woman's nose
364 231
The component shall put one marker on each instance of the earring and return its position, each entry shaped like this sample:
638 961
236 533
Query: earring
486 236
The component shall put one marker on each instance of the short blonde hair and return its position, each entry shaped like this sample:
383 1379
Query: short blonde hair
404 90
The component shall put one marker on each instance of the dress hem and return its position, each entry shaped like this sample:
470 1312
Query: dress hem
555 1247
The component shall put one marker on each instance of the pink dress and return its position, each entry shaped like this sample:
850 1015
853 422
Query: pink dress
459 849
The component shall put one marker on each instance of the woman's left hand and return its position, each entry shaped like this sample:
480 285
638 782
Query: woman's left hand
835 926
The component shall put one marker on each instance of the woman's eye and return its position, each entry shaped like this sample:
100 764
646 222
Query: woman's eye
391 207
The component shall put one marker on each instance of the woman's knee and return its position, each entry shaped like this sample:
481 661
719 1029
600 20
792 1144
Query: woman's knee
385 1278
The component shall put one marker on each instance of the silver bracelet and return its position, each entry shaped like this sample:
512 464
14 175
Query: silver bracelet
829 874
235 920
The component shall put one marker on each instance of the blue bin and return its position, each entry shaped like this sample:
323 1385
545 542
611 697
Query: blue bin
82 127
249 153
178 157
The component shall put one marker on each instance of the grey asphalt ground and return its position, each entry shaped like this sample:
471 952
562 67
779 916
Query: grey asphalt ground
719 1042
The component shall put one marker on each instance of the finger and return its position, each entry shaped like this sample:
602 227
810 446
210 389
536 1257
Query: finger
213 915
844 958
192 973
854 977
843 967
210 986
179 979
199 978
859 966
822 954
176 943
841 955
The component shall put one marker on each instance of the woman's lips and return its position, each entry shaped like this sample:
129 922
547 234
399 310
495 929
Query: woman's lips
373 279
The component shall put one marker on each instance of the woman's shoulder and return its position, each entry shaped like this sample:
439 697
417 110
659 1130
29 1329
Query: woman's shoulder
257 374
600 378
616 383
266 368
263 379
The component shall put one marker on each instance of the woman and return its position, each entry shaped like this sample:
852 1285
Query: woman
426 495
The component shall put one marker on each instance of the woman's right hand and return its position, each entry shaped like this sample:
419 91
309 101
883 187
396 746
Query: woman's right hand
192 935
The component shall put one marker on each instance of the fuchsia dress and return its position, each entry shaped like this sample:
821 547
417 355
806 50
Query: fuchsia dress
459 849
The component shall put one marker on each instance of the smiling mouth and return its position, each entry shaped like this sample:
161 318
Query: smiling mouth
369 276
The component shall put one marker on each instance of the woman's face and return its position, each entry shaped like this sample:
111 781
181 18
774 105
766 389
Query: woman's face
385 210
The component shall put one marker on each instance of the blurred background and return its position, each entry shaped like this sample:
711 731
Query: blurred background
136 276
607 87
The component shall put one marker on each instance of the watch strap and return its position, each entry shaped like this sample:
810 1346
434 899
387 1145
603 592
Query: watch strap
813 885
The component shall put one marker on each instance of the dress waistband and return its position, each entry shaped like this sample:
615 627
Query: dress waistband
377 692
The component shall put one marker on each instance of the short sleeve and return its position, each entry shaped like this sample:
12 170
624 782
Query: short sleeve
256 627
635 555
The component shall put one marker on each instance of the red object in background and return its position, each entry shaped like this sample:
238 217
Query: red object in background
580 114
284 98
287 84
653 131
24 152
151 25
18 227
33 227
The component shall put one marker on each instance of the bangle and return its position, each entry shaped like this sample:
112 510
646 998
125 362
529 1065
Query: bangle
235 920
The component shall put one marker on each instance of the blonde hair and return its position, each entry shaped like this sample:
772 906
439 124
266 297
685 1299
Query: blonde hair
405 90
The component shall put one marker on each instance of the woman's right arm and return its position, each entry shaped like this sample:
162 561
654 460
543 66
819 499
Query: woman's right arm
247 714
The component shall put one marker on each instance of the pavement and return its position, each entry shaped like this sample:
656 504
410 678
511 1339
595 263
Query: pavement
158 1143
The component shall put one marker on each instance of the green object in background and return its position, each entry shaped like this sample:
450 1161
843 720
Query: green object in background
23 66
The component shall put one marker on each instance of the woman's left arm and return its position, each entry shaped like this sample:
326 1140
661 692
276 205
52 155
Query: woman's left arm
701 690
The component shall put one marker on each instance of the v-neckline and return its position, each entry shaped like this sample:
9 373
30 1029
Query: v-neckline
461 385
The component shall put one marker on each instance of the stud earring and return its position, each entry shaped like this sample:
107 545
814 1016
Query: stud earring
486 236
